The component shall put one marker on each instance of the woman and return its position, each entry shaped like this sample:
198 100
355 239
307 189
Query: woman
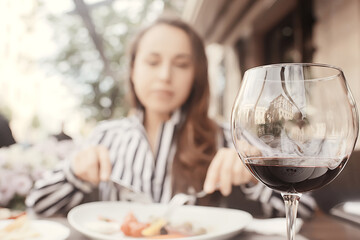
169 145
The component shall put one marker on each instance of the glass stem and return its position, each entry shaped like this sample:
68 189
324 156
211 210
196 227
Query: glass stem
291 204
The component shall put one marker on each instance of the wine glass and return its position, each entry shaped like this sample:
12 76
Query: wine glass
294 126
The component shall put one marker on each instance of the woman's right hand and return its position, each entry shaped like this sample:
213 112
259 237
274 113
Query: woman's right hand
92 164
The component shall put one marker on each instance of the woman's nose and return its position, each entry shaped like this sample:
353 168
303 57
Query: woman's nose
165 72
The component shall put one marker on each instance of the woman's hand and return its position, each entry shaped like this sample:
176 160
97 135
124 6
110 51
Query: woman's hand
92 164
225 170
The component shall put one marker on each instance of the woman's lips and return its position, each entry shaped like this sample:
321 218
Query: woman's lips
163 93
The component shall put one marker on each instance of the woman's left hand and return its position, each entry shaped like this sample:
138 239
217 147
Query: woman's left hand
225 170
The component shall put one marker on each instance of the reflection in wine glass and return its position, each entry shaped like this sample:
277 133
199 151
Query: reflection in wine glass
294 126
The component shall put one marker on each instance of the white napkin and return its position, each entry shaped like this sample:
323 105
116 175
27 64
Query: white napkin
352 207
271 226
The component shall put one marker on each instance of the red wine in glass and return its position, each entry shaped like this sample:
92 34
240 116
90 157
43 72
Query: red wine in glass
277 174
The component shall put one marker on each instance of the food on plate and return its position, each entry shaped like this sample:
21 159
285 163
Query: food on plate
20 228
103 227
158 229
155 229
132 227
6 213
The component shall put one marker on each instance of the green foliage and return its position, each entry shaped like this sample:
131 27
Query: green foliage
78 60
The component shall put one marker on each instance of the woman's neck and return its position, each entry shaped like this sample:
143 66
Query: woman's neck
152 124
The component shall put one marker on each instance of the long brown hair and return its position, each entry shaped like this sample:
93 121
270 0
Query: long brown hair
197 135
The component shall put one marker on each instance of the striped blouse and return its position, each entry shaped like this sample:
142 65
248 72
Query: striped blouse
134 163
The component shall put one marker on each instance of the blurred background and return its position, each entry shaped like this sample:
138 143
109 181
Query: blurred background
63 64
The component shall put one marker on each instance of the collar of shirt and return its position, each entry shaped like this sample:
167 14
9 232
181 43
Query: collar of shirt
175 119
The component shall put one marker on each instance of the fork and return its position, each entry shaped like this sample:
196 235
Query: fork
177 200
180 199
130 192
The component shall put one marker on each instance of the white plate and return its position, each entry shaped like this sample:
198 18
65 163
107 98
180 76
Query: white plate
47 230
220 223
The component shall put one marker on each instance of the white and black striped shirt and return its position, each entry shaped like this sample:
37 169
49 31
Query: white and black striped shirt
134 164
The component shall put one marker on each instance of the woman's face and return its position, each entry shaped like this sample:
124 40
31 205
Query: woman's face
163 72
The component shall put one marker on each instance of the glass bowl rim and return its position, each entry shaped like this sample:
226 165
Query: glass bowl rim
320 65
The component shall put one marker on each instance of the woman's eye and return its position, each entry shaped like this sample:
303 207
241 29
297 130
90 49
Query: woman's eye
182 64
152 62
